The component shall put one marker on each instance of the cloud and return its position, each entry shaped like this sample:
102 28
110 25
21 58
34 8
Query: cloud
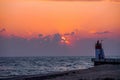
69 34
72 33
56 37
40 35
48 45
2 30
103 32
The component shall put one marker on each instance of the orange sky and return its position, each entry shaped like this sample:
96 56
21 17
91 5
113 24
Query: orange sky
31 17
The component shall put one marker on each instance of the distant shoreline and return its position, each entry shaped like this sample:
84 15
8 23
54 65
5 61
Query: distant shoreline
102 72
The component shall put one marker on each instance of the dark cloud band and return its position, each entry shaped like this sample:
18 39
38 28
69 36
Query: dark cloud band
3 30
104 32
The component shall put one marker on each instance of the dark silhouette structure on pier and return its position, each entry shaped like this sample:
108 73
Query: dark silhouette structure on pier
100 57
99 50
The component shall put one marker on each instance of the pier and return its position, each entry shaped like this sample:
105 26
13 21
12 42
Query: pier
105 61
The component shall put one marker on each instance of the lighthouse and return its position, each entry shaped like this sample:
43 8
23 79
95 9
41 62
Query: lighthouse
99 52
100 58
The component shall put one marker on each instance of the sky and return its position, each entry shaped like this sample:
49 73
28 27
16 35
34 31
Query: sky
58 27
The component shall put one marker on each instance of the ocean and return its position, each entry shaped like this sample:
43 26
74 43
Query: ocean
17 66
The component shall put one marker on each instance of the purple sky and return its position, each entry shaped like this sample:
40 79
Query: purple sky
49 46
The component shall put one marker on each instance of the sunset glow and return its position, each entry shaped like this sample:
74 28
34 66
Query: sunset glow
30 18
58 27
64 40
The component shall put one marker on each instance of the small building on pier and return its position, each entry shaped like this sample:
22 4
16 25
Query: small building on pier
100 56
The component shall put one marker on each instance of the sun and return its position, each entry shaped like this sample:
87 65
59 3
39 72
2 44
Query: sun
65 40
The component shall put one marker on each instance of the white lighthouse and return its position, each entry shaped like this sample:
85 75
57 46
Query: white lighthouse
99 53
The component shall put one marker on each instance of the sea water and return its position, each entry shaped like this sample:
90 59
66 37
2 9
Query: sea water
16 66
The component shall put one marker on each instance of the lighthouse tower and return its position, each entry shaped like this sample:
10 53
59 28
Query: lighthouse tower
100 58
99 53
